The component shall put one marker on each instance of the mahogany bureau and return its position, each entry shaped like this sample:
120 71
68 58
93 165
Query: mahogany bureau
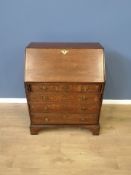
64 84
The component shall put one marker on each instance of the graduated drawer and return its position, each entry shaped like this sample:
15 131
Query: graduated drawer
66 106
61 118
64 97
65 87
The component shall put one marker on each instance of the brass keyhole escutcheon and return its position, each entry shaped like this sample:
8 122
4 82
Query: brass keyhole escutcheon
56 88
65 88
45 108
64 51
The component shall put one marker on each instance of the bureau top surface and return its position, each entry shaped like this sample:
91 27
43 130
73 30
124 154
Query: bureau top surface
64 62
65 45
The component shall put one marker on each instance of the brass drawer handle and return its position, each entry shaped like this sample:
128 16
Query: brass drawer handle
83 97
64 116
45 98
82 119
83 108
44 87
46 119
84 88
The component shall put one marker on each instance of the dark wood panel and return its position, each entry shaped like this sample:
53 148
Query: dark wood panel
65 87
64 118
56 107
64 84
55 97
70 45
64 65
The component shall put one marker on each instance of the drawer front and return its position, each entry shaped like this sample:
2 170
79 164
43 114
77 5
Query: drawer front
61 118
64 97
65 87
54 107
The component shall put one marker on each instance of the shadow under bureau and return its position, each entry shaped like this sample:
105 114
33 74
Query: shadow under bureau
64 84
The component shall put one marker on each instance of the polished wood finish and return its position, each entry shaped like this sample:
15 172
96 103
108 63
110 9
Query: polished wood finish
49 64
70 45
61 118
65 87
55 97
64 84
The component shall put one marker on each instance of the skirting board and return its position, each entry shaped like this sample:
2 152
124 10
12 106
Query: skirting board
23 100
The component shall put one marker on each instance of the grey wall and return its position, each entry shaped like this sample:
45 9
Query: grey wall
108 22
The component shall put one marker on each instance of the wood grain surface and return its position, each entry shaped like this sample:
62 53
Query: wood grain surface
47 63
64 78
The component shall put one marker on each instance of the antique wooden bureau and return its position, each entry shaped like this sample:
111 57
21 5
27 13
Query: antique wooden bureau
64 84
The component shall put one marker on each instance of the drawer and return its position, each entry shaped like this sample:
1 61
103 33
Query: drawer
64 118
54 107
64 97
65 87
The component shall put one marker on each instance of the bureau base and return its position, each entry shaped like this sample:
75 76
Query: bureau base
34 129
